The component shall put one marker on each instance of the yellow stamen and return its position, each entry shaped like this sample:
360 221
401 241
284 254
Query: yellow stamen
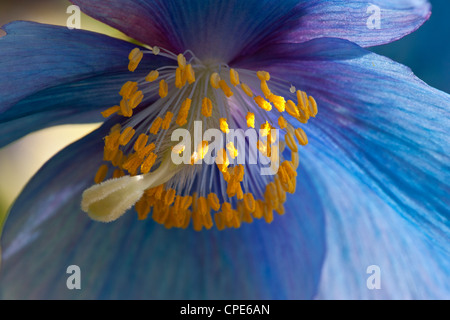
148 163
247 90
265 89
288 166
136 99
219 220
268 215
234 77
110 111
214 79
301 136
258 213
128 89
186 202
207 107
232 151
202 205
146 150
224 125
263 104
313 107
181 61
190 74
295 160
125 108
156 125
239 192
126 136
118 173
239 172
305 103
249 201
152 76
143 208
163 88
202 150
101 174
278 101
141 142
222 160
167 120
108 154
263 75
115 128
184 112
228 212
213 201
292 109
301 104
250 120
112 140
290 141
132 164
282 123
135 58
225 88
180 78
207 220
118 158
265 129
243 213
262 148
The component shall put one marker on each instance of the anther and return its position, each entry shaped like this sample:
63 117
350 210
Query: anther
135 58
214 79
224 125
225 88
126 136
101 174
250 120
110 111
152 76
206 107
163 88
247 90
234 77
262 103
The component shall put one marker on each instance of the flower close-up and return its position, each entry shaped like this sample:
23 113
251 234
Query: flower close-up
174 197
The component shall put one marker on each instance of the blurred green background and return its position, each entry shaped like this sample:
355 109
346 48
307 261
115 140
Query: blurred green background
426 51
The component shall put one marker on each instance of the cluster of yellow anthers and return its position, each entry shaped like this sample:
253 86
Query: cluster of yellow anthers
174 210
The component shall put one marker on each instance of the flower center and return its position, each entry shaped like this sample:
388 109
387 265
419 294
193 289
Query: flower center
139 150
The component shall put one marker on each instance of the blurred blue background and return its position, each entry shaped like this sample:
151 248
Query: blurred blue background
426 51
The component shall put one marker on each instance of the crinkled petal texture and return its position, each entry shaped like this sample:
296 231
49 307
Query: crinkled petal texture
222 30
380 159
52 75
129 259
367 23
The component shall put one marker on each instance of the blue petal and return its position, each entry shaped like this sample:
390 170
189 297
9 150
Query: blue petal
218 30
381 154
354 20
224 30
46 232
52 75
363 230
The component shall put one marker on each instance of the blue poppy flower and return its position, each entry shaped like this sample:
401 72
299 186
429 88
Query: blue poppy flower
372 184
